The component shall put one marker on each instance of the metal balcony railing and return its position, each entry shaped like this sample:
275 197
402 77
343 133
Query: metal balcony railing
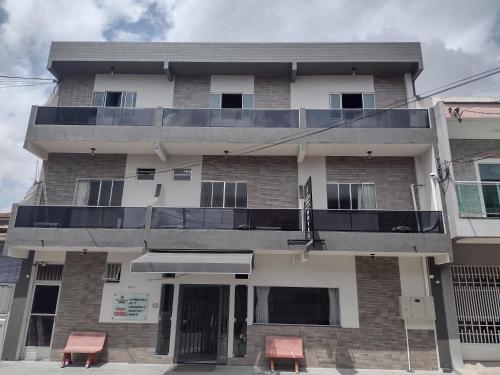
80 217
367 118
95 116
378 221
229 117
226 218
478 199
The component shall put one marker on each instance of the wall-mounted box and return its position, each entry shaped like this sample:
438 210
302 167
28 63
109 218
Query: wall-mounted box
417 309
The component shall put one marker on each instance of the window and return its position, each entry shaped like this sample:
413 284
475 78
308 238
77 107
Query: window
351 196
182 174
164 320
285 305
146 173
114 99
218 101
98 193
489 173
352 101
223 194
112 273
49 272
240 320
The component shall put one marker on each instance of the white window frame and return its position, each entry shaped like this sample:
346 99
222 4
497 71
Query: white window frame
100 185
362 99
350 194
121 98
234 93
479 181
184 174
224 193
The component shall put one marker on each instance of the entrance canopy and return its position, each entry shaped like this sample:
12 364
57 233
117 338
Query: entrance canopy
194 262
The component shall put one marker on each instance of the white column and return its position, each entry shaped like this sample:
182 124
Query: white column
230 322
173 320
250 305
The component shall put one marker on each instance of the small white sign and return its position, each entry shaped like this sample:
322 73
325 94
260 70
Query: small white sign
130 306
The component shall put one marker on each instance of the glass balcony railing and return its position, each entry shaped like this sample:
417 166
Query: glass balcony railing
95 116
80 217
367 118
226 218
478 199
229 117
378 221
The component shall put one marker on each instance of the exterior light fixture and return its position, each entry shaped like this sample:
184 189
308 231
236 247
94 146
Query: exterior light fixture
369 153
112 70
84 251
92 152
372 255
456 114
353 71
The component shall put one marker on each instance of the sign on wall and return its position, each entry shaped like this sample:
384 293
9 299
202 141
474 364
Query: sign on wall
130 306
308 211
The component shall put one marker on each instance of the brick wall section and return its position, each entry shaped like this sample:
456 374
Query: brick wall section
378 343
389 90
272 92
272 180
62 171
191 91
76 90
392 177
467 148
79 306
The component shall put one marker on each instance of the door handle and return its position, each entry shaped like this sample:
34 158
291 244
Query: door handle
212 320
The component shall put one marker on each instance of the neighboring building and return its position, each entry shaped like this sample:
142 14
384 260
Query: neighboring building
149 230
469 145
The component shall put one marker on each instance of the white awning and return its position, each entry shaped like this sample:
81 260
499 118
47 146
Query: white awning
194 262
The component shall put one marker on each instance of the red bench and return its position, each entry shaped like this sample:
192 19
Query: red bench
278 347
83 342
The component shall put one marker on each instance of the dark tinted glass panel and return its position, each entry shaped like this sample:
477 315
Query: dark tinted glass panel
241 195
299 305
230 195
163 338
332 192
355 196
116 194
240 324
206 194
489 172
39 330
113 99
105 196
218 194
352 101
95 186
45 299
231 101
344 197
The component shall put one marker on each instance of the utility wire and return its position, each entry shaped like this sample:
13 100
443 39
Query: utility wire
29 78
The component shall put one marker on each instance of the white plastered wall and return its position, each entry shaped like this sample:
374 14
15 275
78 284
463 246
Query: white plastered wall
315 167
153 90
313 91
236 84
140 193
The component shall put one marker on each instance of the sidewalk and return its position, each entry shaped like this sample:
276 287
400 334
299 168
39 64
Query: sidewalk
52 368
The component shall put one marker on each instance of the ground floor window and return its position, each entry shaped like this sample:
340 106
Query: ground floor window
43 311
164 319
240 321
286 305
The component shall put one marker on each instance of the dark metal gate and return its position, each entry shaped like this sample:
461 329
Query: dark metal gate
202 324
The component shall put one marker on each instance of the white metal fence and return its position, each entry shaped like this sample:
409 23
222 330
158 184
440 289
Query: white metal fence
477 300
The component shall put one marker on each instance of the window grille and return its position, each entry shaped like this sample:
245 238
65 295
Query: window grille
146 173
49 272
113 271
477 300
182 174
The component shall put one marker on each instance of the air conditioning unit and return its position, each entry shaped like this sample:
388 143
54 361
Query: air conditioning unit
417 309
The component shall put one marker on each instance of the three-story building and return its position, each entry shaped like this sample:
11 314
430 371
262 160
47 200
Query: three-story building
198 197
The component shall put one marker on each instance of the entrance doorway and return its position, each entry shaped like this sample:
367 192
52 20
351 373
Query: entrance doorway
202 324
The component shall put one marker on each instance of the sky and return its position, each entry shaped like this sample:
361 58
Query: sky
459 38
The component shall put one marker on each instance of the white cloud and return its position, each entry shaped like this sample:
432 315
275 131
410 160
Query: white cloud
457 40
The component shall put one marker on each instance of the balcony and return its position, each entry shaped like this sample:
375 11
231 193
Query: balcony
478 199
105 116
229 117
226 218
368 118
80 217
378 221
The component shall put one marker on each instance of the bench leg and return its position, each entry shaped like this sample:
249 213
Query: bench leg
296 366
90 360
271 364
66 360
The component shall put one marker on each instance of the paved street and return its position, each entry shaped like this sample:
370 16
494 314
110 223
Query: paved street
52 368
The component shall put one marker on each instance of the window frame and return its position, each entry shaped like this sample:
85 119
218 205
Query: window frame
106 278
350 194
233 93
224 193
122 92
147 175
477 163
100 186
182 169
360 93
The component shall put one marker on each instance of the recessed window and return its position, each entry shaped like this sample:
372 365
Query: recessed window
98 192
114 99
351 196
182 174
223 194
112 273
285 305
218 101
49 272
352 101
146 173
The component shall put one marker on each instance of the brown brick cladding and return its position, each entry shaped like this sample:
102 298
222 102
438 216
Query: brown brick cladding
63 170
392 177
378 343
79 306
191 91
468 148
76 90
272 92
389 91
272 180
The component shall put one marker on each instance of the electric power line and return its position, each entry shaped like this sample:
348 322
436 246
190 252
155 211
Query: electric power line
29 78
